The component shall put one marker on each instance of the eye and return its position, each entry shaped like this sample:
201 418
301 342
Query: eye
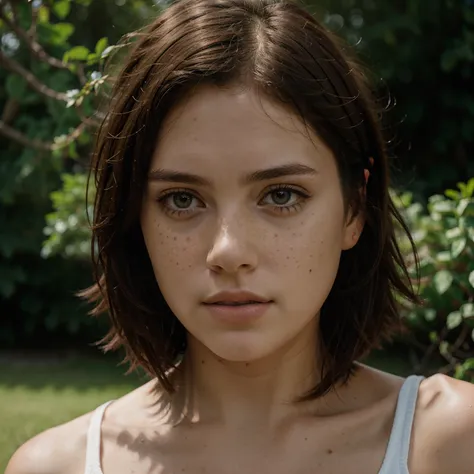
285 198
182 200
281 197
179 202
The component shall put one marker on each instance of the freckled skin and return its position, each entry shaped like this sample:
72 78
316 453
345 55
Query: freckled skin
235 236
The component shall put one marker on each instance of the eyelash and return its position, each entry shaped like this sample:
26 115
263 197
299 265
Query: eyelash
162 200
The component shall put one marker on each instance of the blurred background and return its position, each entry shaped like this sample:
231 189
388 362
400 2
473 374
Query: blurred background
52 55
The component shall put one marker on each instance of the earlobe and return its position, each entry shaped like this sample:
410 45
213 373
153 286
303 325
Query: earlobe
353 232
356 225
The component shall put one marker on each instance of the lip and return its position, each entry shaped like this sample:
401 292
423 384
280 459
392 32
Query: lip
238 296
242 314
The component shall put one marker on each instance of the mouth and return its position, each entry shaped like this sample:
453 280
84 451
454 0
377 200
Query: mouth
236 298
238 312
236 303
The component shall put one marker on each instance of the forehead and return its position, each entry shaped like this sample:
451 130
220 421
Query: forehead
234 127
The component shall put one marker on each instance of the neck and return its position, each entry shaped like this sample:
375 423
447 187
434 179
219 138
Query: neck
256 393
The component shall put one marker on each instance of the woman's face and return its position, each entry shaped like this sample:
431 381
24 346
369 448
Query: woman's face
238 200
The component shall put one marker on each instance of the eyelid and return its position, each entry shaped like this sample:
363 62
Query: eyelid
287 187
168 192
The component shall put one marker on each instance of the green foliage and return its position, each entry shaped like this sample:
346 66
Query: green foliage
445 240
67 227
42 179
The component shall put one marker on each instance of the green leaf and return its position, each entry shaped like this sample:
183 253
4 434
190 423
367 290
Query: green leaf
467 310
443 207
454 320
442 281
470 188
454 233
61 8
452 194
466 208
471 278
62 32
458 247
78 53
43 15
101 46
444 348
430 314
444 256
92 59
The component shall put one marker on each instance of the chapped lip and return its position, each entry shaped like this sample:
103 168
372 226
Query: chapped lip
237 296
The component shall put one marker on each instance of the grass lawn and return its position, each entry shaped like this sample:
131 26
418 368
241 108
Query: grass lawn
40 393
36 395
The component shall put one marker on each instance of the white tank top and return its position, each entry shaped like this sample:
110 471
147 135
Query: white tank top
396 456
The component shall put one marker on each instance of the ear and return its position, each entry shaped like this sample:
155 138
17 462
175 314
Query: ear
353 230
355 223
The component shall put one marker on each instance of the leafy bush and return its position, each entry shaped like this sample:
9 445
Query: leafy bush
67 226
51 54
444 236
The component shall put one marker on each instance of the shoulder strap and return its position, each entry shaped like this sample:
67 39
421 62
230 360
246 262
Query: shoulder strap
398 449
93 464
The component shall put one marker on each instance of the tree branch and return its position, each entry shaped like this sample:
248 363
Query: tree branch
23 140
31 79
34 21
31 43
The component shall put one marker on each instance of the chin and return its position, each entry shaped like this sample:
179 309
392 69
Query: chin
242 348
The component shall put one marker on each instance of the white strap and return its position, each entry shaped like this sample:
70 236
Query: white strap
396 456
93 464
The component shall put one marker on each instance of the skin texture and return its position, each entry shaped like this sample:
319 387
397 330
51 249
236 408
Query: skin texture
231 412
233 235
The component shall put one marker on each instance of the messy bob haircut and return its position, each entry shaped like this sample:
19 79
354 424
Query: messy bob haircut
278 49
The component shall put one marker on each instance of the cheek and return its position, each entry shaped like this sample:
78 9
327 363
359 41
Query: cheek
170 253
307 256
309 242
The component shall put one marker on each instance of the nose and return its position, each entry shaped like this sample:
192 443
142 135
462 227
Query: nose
232 252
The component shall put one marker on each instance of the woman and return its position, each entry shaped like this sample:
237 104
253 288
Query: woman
247 259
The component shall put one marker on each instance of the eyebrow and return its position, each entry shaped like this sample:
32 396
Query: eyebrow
292 169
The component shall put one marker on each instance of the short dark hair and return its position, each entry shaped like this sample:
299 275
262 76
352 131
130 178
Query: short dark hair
278 48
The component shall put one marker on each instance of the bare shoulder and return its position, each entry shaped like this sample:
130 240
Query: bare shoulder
443 436
59 450
62 449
